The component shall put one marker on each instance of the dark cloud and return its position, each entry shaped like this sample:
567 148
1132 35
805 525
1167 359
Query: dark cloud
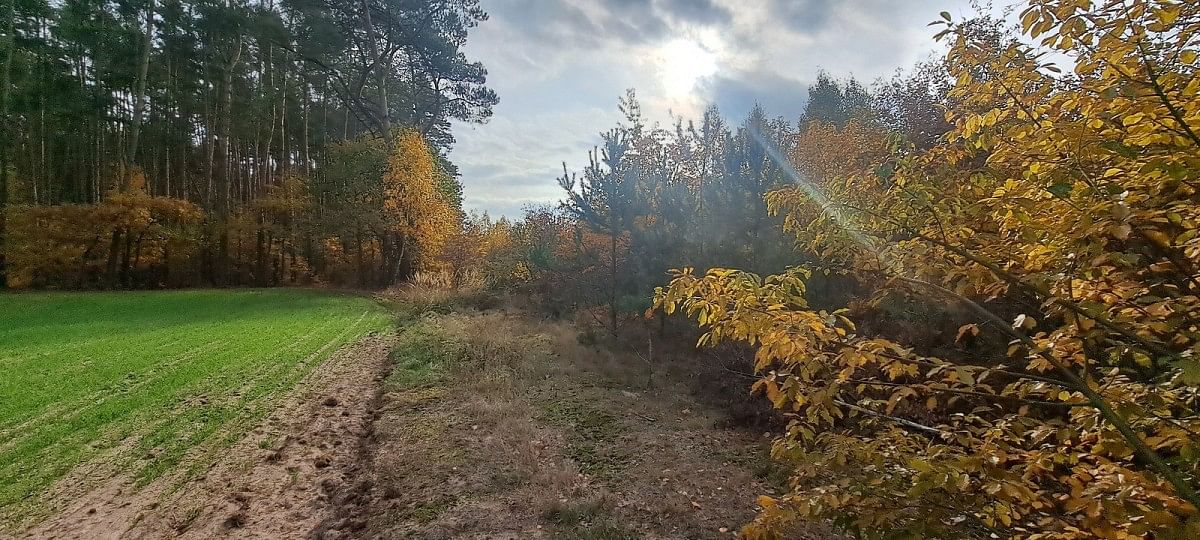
736 93
546 22
803 15
697 11
566 23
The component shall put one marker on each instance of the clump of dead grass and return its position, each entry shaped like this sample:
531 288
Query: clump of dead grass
440 292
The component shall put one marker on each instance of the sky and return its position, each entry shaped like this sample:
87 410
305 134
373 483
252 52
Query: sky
560 66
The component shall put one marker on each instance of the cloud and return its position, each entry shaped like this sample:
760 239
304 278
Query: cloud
514 160
804 15
735 94
697 11
560 65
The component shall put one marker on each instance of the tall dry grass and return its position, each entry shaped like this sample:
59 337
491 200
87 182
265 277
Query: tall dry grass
440 291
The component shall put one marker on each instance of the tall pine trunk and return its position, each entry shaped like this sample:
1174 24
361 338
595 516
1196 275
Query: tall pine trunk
139 94
225 123
381 73
6 136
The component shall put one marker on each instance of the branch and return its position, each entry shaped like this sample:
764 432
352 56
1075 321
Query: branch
898 420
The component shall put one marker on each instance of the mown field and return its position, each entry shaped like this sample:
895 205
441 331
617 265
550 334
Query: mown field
139 380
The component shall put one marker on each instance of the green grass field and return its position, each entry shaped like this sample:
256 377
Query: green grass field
150 376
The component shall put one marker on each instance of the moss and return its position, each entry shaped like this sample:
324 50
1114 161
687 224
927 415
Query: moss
588 423
592 432
603 463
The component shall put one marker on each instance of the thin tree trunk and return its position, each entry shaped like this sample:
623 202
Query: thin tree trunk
225 120
260 262
362 269
114 251
307 158
612 293
224 204
210 144
139 94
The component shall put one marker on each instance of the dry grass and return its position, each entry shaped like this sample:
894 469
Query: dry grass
439 292
536 431
466 280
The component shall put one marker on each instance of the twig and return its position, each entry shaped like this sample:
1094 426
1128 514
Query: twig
901 421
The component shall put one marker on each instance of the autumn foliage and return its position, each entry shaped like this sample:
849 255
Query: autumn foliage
372 218
1060 216
129 236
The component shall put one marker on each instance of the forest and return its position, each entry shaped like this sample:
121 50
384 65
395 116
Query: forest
970 292
163 143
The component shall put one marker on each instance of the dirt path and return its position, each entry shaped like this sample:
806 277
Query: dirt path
537 436
272 484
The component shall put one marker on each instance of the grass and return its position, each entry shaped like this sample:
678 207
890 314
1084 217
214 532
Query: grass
424 354
148 377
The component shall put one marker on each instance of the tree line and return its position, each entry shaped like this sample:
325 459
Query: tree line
161 142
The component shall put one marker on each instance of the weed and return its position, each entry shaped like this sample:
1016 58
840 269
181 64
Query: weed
603 530
771 472
181 523
588 338
507 480
575 513
439 292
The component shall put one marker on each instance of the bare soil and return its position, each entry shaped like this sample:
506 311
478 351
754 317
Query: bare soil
268 485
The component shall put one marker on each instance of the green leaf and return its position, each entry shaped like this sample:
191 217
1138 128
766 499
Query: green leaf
1119 149
885 171
1060 189
1189 371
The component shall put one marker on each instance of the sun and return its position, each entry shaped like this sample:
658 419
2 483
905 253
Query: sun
682 63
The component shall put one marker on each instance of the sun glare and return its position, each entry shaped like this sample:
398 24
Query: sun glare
682 63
